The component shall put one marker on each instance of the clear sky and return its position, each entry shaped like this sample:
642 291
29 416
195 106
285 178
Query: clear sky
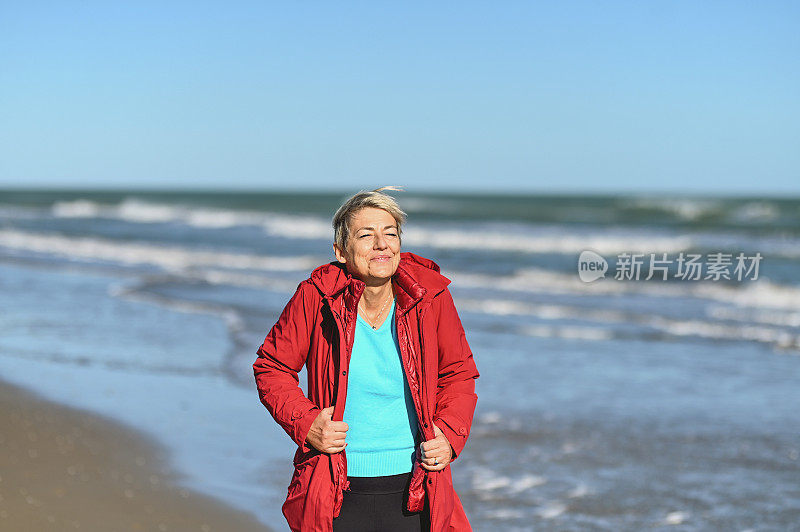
539 96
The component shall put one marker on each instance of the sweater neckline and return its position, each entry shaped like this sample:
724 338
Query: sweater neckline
388 316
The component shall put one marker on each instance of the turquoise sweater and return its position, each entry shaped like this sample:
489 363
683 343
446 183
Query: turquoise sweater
379 411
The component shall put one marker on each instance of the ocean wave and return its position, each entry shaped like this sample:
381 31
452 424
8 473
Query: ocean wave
138 211
755 211
606 320
485 480
762 293
515 237
779 304
568 332
169 258
319 228
766 316
551 510
556 242
721 331
767 309
689 209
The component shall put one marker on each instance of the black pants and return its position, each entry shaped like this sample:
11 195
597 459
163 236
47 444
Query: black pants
378 504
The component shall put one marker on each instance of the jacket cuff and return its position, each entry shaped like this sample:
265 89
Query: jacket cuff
455 432
302 424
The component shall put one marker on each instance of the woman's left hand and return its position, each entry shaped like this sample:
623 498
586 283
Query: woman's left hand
435 454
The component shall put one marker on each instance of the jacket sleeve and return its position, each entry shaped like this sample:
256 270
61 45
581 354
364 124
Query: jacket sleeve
455 393
280 358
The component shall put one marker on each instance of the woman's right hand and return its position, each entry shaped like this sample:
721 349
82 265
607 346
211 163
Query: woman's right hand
326 435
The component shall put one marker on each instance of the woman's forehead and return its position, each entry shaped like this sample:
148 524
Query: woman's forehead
371 218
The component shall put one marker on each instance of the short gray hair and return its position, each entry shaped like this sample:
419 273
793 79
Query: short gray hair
363 199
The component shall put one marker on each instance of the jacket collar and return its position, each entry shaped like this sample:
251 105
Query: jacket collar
415 278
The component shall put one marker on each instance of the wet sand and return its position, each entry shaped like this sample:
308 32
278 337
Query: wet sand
65 469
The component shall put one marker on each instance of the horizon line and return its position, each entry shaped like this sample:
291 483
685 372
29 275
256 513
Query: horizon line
172 189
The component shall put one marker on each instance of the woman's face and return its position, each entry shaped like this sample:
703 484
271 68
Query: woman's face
372 250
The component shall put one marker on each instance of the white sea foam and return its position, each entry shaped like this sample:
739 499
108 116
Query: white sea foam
551 510
755 211
504 513
686 208
491 483
76 209
319 228
580 490
567 332
491 417
170 258
138 211
765 316
520 238
245 279
675 518
505 307
770 335
484 479
541 242
762 293
770 305
766 329
526 482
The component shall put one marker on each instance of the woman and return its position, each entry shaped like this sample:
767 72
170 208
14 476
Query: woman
378 328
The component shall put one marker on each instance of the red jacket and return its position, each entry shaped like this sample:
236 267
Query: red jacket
316 329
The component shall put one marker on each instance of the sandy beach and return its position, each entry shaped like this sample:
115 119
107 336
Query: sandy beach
65 469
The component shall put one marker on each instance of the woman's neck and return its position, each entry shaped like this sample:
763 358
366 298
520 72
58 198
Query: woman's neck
375 296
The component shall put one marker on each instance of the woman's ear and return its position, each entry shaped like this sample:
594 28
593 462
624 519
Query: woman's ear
339 255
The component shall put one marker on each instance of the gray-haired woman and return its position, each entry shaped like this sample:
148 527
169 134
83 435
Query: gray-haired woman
391 378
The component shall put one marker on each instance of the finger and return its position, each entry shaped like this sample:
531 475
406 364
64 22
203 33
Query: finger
330 432
338 442
328 411
432 445
333 449
338 426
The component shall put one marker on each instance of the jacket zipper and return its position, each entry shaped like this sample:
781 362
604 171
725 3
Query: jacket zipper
412 357
421 355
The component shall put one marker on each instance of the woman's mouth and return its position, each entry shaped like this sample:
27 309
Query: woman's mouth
382 258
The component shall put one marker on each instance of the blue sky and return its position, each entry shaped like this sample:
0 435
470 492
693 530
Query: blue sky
535 96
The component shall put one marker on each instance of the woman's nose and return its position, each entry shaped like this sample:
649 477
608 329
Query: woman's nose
380 241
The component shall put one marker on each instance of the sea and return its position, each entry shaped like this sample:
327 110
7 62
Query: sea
639 355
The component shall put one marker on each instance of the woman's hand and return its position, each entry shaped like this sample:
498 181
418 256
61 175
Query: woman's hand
436 453
326 435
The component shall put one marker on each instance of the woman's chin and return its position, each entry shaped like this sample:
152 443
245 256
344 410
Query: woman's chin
382 271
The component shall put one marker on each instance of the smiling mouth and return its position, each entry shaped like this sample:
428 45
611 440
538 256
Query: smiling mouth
382 258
